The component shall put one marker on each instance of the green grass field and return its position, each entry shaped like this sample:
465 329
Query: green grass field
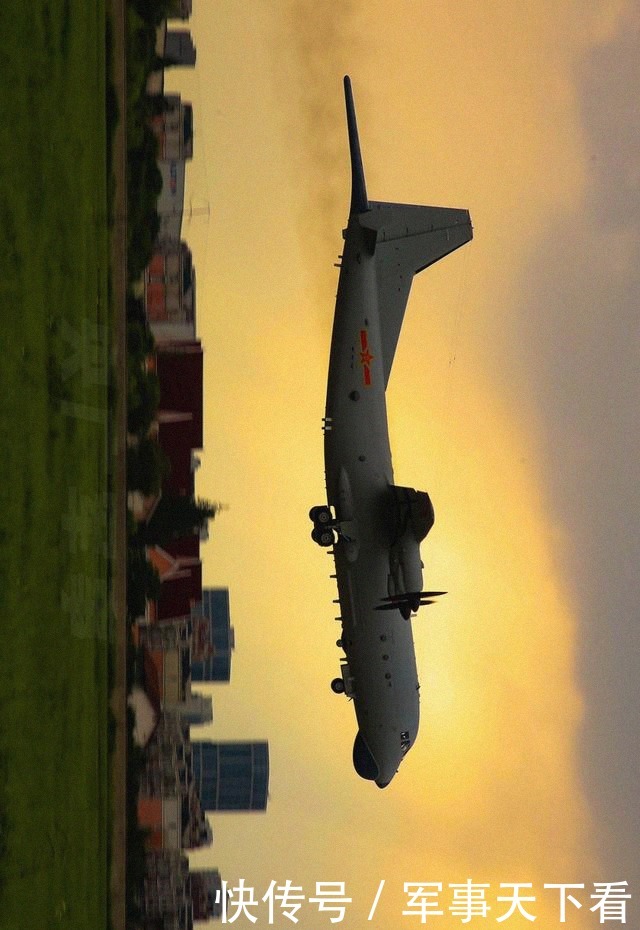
54 440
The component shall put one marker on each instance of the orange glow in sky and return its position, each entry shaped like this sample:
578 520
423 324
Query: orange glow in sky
462 105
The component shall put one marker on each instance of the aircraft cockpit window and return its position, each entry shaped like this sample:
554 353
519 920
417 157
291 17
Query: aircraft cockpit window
405 742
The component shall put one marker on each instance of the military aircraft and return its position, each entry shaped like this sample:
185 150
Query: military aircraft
372 526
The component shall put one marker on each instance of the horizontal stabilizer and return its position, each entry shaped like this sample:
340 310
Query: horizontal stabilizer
422 235
406 239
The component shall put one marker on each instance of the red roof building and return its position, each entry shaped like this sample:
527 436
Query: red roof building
181 577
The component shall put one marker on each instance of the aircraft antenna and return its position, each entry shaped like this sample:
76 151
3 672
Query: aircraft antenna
204 210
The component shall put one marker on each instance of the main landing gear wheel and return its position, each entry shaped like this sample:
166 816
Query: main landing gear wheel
320 515
337 686
323 536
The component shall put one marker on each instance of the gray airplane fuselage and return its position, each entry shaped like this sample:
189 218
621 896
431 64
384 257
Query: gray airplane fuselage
374 526
378 645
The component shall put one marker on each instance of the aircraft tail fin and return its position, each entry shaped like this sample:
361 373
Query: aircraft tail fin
359 201
404 238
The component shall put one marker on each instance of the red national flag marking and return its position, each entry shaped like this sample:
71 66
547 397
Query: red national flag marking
365 357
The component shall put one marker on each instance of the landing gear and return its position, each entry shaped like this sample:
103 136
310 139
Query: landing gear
323 523
323 536
337 686
321 515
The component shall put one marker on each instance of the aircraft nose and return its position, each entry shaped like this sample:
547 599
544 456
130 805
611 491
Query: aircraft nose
363 760
386 773
380 770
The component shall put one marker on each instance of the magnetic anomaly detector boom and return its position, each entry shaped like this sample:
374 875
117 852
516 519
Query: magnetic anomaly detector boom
373 526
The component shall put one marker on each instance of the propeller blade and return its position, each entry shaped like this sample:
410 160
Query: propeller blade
406 595
403 606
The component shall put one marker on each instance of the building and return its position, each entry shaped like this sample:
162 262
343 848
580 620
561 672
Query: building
174 130
215 609
179 367
180 9
179 48
175 897
161 817
170 204
192 631
230 776
206 894
169 807
195 709
170 667
180 571
169 293
167 771
167 892
174 51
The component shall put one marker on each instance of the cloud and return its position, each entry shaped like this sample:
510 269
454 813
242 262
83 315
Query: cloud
578 334
314 47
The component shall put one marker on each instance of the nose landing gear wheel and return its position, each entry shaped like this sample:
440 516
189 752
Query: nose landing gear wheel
337 686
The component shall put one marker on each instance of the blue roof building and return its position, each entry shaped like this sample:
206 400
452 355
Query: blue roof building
230 776
217 666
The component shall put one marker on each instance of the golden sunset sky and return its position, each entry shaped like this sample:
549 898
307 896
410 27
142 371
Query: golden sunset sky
482 105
